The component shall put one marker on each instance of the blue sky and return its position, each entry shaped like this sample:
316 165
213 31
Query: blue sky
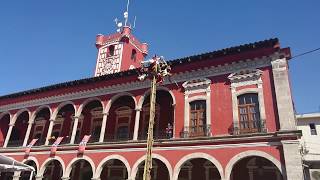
47 42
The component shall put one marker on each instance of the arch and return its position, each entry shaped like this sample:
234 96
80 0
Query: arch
141 100
199 97
34 159
117 96
188 157
17 114
34 114
87 101
106 159
61 105
236 158
246 91
2 114
135 167
47 161
75 160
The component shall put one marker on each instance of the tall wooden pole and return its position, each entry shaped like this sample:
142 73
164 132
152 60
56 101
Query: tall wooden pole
148 160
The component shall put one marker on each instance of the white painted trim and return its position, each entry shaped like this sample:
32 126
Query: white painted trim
75 160
102 163
35 113
236 158
208 157
117 96
159 88
17 114
87 101
135 167
47 161
60 106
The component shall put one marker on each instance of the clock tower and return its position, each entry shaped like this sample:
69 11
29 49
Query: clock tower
119 52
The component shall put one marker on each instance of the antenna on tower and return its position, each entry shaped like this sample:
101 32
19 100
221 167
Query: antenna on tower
126 14
134 22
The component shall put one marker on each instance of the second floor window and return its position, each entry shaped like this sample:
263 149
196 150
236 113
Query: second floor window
197 118
111 50
313 130
249 114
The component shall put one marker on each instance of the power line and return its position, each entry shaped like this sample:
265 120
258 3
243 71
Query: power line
308 52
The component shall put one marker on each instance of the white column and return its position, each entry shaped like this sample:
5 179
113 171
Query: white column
136 124
8 135
235 110
208 112
74 129
26 138
103 126
16 175
186 115
292 158
65 178
49 131
283 94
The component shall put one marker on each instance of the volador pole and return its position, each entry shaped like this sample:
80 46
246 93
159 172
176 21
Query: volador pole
148 160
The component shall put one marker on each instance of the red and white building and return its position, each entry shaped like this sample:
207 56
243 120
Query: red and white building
231 111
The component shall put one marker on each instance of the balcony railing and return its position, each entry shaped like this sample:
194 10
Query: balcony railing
246 127
196 131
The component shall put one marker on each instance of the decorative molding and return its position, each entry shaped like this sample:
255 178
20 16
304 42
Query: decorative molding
130 86
245 77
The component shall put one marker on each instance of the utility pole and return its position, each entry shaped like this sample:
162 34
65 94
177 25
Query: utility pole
156 69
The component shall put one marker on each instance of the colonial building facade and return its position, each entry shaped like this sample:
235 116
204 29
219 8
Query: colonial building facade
231 114
309 124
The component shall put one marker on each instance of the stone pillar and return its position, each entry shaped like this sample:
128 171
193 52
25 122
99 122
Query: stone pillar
26 138
103 126
283 94
49 131
74 129
136 124
292 158
8 135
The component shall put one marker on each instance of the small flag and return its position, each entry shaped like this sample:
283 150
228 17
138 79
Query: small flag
54 146
28 148
83 143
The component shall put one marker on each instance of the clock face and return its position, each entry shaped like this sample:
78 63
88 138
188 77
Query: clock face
107 62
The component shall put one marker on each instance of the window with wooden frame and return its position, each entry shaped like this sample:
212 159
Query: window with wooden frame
123 121
249 114
145 121
197 118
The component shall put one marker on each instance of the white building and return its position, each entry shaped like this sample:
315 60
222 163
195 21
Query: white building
309 124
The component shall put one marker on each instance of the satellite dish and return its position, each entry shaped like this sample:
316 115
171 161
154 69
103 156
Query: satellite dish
119 24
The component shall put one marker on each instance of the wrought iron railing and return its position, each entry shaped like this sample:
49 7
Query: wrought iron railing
246 127
196 131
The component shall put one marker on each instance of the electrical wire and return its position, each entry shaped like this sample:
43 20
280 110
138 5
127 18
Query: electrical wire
308 52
